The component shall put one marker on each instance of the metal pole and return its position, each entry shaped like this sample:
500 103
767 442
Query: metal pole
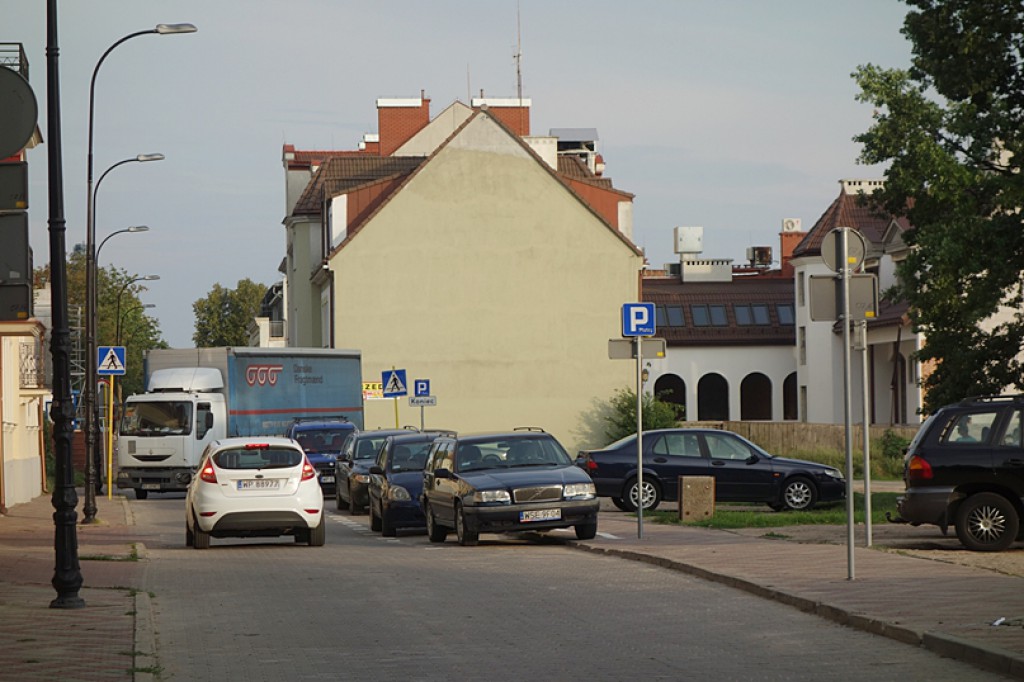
867 433
639 438
844 271
67 575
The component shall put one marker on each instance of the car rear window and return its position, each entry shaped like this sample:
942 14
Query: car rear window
258 458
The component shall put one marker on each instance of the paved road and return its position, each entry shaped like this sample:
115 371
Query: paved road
365 607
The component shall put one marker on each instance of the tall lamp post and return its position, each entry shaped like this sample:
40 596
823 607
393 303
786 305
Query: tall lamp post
89 389
141 306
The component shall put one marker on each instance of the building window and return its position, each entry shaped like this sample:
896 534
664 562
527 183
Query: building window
800 289
669 316
801 342
751 314
786 314
709 316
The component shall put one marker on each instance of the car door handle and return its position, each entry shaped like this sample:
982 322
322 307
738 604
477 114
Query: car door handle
660 460
1014 462
717 463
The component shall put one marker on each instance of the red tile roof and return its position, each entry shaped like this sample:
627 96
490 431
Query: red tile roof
748 290
340 174
849 210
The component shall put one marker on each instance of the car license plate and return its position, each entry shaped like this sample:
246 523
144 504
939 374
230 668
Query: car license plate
327 479
540 515
151 486
260 484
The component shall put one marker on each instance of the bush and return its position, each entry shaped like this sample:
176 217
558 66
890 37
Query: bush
657 414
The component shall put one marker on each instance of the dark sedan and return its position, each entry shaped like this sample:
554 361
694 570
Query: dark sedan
506 482
352 468
396 482
742 471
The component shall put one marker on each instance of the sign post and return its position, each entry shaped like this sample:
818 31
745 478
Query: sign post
394 386
422 397
110 363
638 322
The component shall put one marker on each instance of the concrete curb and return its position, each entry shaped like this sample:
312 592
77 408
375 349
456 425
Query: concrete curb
145 663
989 658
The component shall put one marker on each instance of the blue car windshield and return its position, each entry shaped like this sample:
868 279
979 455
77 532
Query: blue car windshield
409 457
322 440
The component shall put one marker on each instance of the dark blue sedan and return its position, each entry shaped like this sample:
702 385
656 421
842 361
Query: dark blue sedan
396 481
742 471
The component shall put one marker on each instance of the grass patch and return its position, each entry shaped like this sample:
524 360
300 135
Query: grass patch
731 516
133 555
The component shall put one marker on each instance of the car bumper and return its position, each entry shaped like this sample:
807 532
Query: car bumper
928 506
508 518
831 489
404 515
360 494
327 480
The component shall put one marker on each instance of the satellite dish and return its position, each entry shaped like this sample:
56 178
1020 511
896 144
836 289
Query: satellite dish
18 112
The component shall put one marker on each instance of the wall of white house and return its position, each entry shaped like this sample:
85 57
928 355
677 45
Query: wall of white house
19 428
733 363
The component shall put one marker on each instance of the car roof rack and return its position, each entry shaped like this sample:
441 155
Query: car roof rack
1007 398
529 428
322 418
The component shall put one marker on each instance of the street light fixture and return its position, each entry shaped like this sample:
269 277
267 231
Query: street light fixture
89 389
133 228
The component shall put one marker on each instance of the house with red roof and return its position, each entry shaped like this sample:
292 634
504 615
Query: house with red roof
489 261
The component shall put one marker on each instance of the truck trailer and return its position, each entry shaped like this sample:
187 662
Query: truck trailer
196 396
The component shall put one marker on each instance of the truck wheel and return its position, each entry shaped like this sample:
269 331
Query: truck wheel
986 522
141 494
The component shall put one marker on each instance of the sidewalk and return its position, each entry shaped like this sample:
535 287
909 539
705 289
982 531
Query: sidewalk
111 637
946 608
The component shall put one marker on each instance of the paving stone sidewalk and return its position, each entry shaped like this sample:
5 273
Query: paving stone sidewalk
100 641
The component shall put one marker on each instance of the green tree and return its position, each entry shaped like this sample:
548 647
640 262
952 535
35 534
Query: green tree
657 414
139 332
951 128
224 316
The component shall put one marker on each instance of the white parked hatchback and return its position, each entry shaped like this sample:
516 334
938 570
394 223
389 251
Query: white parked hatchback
254 487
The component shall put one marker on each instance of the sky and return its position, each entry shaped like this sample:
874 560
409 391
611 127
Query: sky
727 114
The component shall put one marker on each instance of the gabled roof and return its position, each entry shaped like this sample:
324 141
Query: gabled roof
853 210
420 163
573 167
343 173
747 290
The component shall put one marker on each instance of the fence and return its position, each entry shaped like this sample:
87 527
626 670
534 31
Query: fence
786 438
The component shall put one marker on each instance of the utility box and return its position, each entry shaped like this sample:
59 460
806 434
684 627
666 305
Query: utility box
696 497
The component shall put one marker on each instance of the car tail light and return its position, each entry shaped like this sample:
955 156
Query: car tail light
308 471
256 446
208 474
591 465
918 469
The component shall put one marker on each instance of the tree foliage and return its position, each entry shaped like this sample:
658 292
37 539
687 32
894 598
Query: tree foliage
951 128
657 414
139 331
224 316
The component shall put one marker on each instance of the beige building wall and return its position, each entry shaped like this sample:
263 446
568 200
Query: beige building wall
487 276
302 313
21 405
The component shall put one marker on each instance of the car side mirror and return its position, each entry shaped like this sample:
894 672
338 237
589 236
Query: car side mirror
753 459
376 470
442 473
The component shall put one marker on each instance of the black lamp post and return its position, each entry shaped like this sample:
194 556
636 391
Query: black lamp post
67 575
89 389
141 306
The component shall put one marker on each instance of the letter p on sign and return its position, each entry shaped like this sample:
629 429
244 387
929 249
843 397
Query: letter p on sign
638 319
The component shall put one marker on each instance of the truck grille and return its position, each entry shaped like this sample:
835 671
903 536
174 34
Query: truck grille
545 493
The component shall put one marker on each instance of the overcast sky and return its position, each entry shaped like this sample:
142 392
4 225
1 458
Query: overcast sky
730 114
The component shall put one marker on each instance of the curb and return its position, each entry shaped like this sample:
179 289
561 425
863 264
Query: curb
949 646
145 664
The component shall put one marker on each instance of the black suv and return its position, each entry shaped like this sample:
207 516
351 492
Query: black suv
965 468
521 480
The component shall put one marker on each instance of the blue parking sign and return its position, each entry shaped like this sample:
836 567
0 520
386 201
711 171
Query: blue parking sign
422 386
638 319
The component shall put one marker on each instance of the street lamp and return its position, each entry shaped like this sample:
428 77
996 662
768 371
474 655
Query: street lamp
143 278
89 389
133 228
141 306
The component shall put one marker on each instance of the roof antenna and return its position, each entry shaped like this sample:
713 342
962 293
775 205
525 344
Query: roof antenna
518 57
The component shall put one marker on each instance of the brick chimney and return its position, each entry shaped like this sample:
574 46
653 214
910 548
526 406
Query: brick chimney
791 235
514 113
399 119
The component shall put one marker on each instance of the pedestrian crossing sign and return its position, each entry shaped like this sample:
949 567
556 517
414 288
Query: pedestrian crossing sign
110 360
394 383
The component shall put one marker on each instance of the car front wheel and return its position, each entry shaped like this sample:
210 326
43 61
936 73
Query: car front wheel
435 532
651 494
586 531
386 529
467 536
986 522
374 520
799 494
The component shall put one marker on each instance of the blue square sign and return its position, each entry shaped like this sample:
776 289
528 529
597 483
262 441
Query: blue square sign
110 360
638 319
422 386
394 383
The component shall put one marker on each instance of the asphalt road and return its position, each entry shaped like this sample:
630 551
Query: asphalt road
368 608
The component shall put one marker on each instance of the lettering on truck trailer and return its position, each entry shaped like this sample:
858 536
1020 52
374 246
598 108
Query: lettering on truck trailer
262 374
